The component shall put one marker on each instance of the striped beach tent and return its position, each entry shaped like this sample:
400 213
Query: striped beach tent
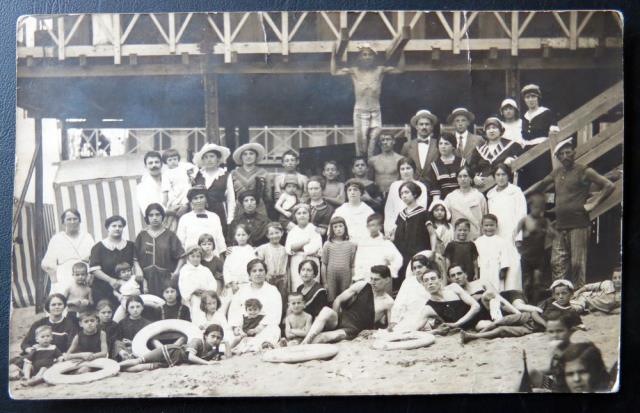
25 267
99 188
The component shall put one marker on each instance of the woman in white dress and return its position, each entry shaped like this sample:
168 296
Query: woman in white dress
507 202
271 301
393 206
354 211
65 249
511 121
303 242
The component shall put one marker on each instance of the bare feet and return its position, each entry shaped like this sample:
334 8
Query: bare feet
465 337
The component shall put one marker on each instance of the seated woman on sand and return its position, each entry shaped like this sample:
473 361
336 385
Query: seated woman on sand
358 308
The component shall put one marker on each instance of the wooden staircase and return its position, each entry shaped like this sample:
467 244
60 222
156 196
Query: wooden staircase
581 123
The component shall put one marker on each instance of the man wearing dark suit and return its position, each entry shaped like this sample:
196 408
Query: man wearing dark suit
424 149
461 118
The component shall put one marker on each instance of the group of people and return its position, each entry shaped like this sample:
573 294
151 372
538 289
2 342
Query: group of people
436 237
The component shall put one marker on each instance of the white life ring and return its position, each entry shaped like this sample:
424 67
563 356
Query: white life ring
139 345
149 300
301 353
404 341
56 374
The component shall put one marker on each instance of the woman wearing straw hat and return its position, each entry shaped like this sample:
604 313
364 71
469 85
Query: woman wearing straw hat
221 197
494 151
249 176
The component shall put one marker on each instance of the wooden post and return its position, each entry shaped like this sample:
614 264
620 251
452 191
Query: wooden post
39 279
212 123
64 144
512 82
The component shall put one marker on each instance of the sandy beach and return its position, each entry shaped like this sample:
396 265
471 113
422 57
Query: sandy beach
445 367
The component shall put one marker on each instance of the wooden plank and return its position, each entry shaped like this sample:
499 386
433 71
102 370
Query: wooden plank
573 30
456 32
515 32
343 42
117 41
284 38
190 66
601 104
227 36
598 146
611 201
61 38
39 213
212 121
172 33
393 52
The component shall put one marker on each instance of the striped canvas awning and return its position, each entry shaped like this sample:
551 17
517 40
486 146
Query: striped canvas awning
24 262
100 188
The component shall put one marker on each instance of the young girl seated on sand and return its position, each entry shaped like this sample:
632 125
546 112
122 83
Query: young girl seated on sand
91 342
106 323
252 324
172 307
205 350
129 327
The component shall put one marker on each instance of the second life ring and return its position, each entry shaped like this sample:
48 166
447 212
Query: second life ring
404 341
139 345
301 353
57 374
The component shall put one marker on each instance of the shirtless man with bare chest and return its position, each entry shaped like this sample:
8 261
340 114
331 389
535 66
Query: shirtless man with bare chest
384 167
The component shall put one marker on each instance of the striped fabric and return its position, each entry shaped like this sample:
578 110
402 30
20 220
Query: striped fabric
99 199
24 265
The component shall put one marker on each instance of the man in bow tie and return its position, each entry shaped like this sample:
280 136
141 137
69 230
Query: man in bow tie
424 149
461 119
200 221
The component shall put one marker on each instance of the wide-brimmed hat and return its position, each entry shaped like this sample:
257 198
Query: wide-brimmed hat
256 147
531 88
562 144
461 112
423 113
211 147
492 120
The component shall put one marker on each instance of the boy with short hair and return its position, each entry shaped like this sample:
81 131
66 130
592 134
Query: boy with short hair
297 323
494 257
177 178
43 355
604 296
91 341
333 191
372 195
376 250
535 229
290 162
560 302
463 251
78 292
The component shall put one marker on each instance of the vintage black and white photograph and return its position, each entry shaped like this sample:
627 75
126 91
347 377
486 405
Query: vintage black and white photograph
310 203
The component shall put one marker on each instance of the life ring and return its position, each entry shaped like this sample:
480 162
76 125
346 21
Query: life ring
300 353
139 345
404 341
56 374
149 300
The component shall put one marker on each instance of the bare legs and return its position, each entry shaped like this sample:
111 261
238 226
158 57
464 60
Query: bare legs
327 319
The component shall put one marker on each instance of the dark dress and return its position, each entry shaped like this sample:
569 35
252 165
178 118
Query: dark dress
374 192
158 256
444 177
216 197
43 357
88 343
128 328
177 311
110 329
251 323
215 265
359 314
535 128
314 300
463 254
106 260
321 215
452 311
256 224
485 158
63 333
410 238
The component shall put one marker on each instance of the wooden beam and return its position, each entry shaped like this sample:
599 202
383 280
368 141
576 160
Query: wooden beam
211 111
343 42
436 63
600 144
393 53
39 279
611 201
